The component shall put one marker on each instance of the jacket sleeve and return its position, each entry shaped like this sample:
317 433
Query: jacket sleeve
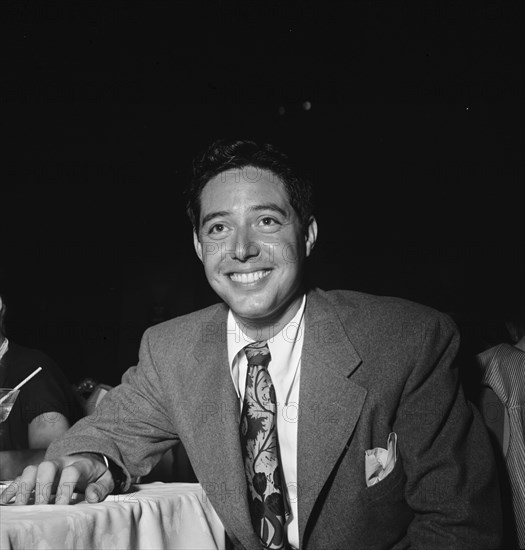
130 425
452 484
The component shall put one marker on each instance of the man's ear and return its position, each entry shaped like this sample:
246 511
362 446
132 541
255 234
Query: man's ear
197 244
311 235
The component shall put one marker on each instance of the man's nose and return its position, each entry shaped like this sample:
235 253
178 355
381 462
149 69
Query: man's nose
246 247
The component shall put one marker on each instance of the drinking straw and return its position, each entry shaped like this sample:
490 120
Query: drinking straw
21 384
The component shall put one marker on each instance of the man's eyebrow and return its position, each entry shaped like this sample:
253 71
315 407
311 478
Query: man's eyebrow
211 215
269 206
257 208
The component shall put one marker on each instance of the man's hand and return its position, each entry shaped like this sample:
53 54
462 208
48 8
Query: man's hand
84 472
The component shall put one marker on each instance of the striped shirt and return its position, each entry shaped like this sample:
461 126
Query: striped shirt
4 347
503 369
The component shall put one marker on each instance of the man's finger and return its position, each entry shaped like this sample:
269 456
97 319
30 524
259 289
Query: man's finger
45 481
68 481
98 491
26 484
78 472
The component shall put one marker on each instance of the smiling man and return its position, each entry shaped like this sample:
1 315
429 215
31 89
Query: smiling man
312 419
253 246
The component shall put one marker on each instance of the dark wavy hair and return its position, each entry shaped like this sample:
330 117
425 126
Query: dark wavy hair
224 154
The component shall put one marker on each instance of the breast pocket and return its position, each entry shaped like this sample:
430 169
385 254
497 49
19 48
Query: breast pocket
391 488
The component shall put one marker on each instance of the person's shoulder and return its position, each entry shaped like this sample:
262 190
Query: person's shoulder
23 361
185 326
28 359
385 309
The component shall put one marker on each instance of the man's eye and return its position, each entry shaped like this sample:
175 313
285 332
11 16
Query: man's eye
269 221
217 228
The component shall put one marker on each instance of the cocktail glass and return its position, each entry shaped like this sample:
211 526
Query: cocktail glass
7 400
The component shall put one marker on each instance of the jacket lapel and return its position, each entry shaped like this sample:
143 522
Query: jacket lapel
330 403
219 466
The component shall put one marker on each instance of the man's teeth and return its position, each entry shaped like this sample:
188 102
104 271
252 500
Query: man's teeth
248 277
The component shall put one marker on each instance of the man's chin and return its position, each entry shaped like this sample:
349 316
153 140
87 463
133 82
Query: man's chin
259 309
250 314
246 302
250 311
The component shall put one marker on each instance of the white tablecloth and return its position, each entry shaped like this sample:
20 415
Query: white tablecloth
154 516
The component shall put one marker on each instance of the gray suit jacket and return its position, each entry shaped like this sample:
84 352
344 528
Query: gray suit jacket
370 365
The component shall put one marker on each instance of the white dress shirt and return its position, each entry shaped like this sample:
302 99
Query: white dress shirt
285 369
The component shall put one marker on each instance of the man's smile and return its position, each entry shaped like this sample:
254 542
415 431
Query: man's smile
248 278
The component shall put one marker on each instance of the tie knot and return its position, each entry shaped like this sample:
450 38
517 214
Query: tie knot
258 353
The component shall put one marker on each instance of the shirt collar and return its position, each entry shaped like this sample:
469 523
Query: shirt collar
236 339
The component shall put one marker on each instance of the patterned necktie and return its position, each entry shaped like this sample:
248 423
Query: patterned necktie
260 449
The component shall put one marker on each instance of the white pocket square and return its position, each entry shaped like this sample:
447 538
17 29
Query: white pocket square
380 462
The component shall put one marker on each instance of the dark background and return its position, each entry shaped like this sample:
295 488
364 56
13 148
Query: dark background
414 137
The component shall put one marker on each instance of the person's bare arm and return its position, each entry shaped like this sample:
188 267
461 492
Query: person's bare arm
45 428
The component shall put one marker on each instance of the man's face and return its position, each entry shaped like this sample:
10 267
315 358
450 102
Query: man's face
252 245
